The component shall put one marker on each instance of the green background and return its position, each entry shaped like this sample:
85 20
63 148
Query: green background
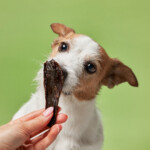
120 26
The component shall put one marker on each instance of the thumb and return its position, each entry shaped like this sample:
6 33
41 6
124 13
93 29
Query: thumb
40 122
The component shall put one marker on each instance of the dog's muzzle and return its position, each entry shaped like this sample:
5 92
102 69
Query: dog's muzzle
65 73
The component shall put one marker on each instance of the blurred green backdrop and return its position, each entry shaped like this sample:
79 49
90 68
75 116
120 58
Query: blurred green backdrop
120 26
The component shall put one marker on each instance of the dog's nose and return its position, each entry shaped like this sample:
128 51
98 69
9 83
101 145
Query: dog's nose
65 73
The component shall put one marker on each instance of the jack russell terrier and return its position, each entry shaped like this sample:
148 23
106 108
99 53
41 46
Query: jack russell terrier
88 67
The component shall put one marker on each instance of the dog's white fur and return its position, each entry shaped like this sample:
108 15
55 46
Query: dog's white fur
83 129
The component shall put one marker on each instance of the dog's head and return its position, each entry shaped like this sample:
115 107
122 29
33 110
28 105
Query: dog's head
86 65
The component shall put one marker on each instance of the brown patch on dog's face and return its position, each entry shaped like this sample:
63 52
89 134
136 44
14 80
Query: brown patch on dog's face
110 72
89 84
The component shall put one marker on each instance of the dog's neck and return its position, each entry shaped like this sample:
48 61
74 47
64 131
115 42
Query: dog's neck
70 104
81 116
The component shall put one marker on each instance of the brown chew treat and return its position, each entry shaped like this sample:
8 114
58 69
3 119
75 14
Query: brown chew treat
53 83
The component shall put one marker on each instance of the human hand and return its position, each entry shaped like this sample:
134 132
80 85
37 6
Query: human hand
17 134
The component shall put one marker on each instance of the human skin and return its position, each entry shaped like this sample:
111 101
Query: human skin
17 134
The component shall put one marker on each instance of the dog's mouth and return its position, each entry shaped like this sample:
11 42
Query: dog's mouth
67 93
67 89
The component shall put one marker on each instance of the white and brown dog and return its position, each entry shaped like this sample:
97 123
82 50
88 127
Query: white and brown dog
87 67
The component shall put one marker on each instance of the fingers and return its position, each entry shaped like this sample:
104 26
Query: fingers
40 137
29 116
36 122
39 122
48 138
61 118
32 115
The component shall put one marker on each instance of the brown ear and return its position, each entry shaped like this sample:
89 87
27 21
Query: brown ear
118 73
61 29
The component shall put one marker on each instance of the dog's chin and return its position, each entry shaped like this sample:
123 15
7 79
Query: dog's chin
67 90
67 93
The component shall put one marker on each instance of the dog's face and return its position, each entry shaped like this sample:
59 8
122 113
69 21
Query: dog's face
86 65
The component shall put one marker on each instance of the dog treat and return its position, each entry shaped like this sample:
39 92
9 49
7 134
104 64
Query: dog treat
53 83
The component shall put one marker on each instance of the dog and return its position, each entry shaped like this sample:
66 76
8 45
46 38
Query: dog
87 68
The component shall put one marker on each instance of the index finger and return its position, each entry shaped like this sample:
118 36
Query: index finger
29 116
39 122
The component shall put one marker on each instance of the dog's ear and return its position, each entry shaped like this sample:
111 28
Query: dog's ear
118 73
61 29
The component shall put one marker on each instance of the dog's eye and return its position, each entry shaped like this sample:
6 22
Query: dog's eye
63 47
90 68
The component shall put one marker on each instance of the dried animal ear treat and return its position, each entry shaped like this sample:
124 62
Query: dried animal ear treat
53 83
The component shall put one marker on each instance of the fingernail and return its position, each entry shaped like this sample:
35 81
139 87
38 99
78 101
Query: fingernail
48 111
